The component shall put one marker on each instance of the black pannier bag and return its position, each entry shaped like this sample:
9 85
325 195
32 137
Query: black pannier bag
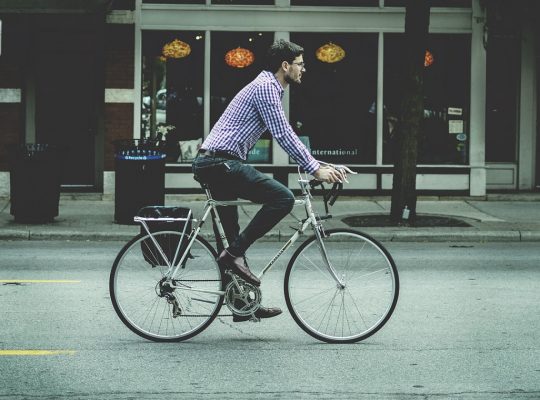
168 243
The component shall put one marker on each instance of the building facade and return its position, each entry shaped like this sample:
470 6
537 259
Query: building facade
86 75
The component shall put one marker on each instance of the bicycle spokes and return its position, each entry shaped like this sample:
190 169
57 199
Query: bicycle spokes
345 312
161 308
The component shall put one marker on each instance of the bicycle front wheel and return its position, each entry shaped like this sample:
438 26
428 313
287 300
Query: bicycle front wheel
154 310
341 314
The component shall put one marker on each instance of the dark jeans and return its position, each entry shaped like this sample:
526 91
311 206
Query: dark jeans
232 179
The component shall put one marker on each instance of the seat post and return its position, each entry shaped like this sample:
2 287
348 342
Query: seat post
206 189
216 219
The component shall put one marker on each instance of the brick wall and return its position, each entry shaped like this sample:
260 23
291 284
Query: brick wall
119 74
118 125
10 73
119 53
11 77
11 128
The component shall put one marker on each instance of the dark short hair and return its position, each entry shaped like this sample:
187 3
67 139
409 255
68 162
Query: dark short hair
282 50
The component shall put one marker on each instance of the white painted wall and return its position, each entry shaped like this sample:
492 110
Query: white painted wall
527 109
477 150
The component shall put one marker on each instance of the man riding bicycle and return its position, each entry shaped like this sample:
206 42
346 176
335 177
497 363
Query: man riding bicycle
220 162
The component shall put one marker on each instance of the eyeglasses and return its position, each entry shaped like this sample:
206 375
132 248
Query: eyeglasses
302 64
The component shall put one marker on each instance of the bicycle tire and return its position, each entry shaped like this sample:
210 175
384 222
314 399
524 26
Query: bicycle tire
350 252
134 279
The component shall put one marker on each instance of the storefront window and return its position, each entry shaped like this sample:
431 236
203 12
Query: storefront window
336 3
432 3
172 91
331 109
237 58
445 135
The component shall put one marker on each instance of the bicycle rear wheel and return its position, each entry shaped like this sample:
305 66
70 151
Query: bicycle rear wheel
153 310
329 312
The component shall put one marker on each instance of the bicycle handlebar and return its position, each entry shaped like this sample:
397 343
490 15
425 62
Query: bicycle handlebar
329 197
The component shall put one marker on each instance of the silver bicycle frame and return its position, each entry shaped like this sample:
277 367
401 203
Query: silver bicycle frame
211 207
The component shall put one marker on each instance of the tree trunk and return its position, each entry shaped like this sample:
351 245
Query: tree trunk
411 112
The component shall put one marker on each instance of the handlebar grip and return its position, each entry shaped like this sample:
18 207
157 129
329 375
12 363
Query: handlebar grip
334 193
314 183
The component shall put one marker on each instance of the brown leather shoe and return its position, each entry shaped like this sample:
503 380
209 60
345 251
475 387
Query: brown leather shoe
238 266
262 312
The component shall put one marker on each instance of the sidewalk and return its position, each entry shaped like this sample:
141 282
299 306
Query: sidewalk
505 217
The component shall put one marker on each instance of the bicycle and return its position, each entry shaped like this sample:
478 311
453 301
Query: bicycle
341 285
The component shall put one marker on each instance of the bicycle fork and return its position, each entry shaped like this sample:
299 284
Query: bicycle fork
317 227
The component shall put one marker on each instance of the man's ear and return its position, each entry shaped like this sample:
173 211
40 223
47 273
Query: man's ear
285 66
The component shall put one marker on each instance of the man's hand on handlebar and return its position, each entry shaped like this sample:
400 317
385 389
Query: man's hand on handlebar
332 173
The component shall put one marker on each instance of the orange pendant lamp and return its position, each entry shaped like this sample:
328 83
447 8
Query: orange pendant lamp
176 49
239 58
428 59
330 53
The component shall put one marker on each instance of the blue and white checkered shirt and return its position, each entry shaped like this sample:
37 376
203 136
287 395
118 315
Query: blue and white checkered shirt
255 109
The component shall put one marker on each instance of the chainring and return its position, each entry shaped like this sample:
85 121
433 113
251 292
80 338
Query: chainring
242 298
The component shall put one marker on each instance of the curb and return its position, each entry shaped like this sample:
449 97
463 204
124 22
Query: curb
530 236
277 236
479 236
14 234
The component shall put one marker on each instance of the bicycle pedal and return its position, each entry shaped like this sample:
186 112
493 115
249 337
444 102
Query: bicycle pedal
254 319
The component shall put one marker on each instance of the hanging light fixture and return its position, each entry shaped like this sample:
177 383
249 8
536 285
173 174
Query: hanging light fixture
176 49
428 59
239 58
330 53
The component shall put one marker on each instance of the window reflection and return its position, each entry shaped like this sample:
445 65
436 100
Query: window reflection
331 108
445 135
172 91
247 50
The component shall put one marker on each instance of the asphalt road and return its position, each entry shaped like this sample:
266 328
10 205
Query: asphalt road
466 327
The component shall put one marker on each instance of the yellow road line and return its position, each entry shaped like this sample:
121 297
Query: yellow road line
36 352
37 281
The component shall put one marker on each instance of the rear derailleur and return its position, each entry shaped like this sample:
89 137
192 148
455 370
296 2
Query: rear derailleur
165 290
